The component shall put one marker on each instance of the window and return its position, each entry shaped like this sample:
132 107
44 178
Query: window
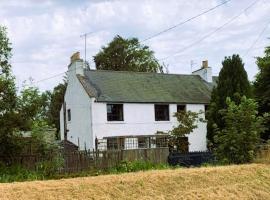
206 107
162 113
181 108
143 142
115 143
112 144
115 112
69 115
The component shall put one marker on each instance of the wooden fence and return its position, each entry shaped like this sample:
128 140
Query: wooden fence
83 160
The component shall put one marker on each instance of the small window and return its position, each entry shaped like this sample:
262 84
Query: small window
181 108
162 113
69 115
115 112
112 144
206 107
143 142
115 143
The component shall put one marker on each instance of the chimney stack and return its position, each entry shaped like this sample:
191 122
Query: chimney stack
75 57
204 64
205 72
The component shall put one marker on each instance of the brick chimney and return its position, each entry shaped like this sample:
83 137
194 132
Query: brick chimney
74 57
76 65
204 63
205 72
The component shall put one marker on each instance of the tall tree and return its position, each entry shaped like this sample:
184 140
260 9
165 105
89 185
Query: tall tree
127 55
262 87
232 82
57 99
8 116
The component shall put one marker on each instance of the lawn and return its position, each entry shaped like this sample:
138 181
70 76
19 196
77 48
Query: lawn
227 182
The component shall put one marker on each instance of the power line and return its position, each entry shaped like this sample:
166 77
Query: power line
183 22
258 37
211 33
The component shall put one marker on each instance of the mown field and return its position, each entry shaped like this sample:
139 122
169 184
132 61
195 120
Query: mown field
227 182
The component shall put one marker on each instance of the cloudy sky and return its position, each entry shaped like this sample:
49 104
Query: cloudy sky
44 33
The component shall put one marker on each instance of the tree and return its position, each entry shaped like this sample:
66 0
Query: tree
32 105
262 87
186 124
8 115
127 55
232 82
237 141
57 99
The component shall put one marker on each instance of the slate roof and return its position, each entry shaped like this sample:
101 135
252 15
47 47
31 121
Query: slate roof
139 87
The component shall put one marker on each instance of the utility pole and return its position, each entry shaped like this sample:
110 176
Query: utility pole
85 43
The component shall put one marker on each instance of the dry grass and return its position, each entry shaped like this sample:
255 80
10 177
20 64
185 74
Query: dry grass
228 182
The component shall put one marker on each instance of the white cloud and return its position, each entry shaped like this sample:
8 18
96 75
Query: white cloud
44 35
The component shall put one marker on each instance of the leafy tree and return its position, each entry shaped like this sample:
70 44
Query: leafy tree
32 105
232 82
262 87
127 55
237 141
186 124
8 115
57 99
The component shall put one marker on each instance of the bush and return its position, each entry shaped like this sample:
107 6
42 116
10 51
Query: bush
18 173
238 140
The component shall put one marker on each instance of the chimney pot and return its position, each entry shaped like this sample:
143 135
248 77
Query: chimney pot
204 63
74 57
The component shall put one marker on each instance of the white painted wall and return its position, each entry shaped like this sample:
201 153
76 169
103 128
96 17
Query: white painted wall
77 100
139 119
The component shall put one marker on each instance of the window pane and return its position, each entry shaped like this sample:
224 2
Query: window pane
181 108
162 113
115 112
69 114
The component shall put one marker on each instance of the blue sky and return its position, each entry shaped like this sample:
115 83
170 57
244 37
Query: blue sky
44 33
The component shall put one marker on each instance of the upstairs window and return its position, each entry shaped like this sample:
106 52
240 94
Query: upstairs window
206 107
162 113
181 108
115 112
69 115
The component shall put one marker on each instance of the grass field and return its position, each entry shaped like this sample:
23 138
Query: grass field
227 182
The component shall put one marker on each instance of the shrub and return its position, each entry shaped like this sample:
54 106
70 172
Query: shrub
18 173
237 141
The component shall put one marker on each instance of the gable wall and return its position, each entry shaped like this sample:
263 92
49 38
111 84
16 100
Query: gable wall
77 100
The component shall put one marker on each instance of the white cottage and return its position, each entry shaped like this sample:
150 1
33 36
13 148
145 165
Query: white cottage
112 109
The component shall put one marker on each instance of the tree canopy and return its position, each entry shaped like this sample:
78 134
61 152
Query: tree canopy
232 82
262 87
57 99
127 55
8 115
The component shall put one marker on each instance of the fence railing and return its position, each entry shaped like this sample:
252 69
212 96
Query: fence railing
84 160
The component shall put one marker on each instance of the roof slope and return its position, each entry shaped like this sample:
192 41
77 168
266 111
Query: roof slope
136 87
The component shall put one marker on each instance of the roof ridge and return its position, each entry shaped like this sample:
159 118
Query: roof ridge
154 73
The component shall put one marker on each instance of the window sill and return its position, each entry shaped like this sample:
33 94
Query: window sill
162 122
115 122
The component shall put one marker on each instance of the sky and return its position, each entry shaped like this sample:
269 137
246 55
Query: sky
45 33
